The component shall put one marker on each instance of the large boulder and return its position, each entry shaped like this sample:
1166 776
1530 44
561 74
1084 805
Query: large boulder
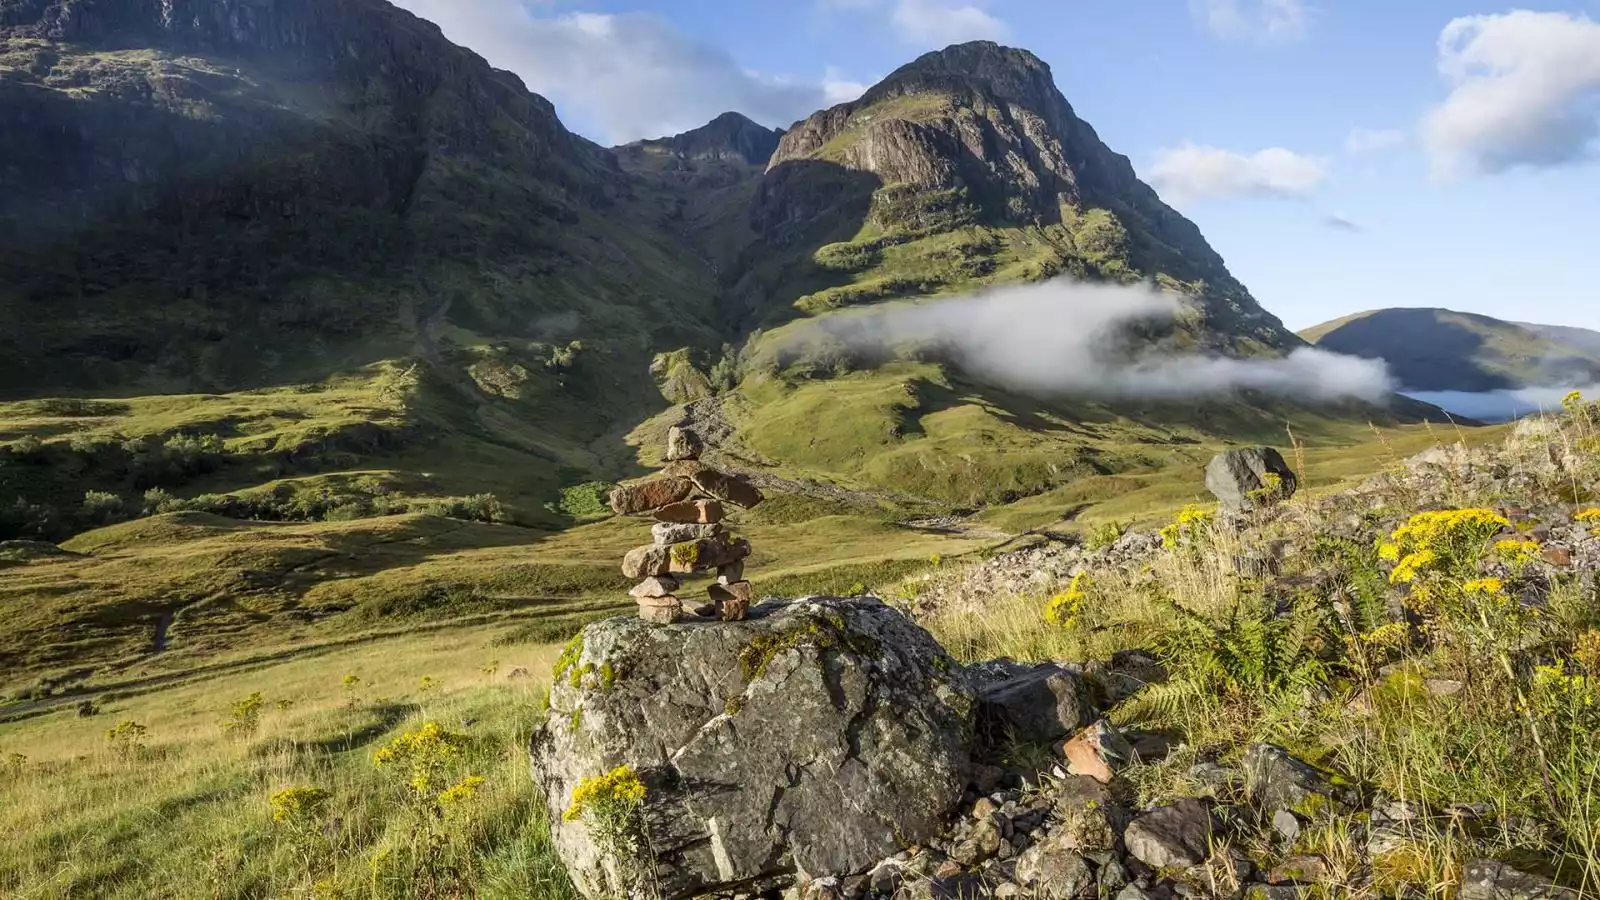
1243 479
813 739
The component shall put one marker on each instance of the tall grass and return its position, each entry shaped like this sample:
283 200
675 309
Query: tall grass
1481 703
187 811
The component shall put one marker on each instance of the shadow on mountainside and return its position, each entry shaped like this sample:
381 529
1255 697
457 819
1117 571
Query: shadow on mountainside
1424 351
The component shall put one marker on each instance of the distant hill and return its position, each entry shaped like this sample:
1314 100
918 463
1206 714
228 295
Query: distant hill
1582 340
1444 350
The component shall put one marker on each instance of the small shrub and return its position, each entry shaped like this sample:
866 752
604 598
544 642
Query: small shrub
1189 527
126 740
102 508
244 716
423 755
299 807
1105 534
1064 609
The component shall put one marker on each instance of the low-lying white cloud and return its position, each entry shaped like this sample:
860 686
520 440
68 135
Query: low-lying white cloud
633 75
1263 21
1373 140
1066 337
1193 173
1525 91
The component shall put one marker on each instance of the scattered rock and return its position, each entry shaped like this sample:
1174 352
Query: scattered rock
1086 815
1275 780
1176 836
1243 479
1300 870
1275 892
517 673
843 705
1039 705
1053 872
1099 751
1287 825
648 496
1486 879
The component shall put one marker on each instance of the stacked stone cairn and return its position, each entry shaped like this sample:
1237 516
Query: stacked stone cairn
688 502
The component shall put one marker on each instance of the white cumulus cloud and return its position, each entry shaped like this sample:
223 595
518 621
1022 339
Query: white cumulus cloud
1266 21
633 75
943 22
931 23
1193 173
1374 140
1525 91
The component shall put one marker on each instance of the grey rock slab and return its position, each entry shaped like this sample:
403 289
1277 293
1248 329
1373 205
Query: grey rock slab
1276 780
1177 836
1038 705
1485 879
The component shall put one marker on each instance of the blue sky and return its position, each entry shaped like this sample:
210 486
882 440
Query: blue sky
1340 154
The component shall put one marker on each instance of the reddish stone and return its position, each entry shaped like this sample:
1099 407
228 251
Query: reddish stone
647 496
691 512
1558 556
732 600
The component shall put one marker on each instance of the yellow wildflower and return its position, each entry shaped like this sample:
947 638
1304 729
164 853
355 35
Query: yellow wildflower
1445 525
1586 651
426 751
1408 568
1190 520
1518 552
1392 634
1064 608
1389 552
462 791
298 804
1486 586
619 787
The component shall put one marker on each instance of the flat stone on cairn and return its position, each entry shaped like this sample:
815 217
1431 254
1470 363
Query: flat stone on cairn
688 536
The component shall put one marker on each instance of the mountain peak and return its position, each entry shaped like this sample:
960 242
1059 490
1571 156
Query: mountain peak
730 136
1006 72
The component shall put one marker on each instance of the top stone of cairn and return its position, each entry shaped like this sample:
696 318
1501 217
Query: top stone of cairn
683 444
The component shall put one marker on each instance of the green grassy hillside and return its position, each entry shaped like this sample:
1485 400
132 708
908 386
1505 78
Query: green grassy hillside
1442 350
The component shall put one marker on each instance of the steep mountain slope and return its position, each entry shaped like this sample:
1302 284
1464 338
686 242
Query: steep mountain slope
1443 350
307 203
968 167
217 193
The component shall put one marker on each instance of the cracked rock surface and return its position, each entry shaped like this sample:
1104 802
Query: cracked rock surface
815 738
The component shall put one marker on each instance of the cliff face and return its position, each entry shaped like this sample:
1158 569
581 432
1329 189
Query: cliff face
979 135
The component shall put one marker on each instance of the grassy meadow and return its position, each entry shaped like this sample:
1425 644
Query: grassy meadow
184 809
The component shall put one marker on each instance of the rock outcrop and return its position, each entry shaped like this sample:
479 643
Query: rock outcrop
813 739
